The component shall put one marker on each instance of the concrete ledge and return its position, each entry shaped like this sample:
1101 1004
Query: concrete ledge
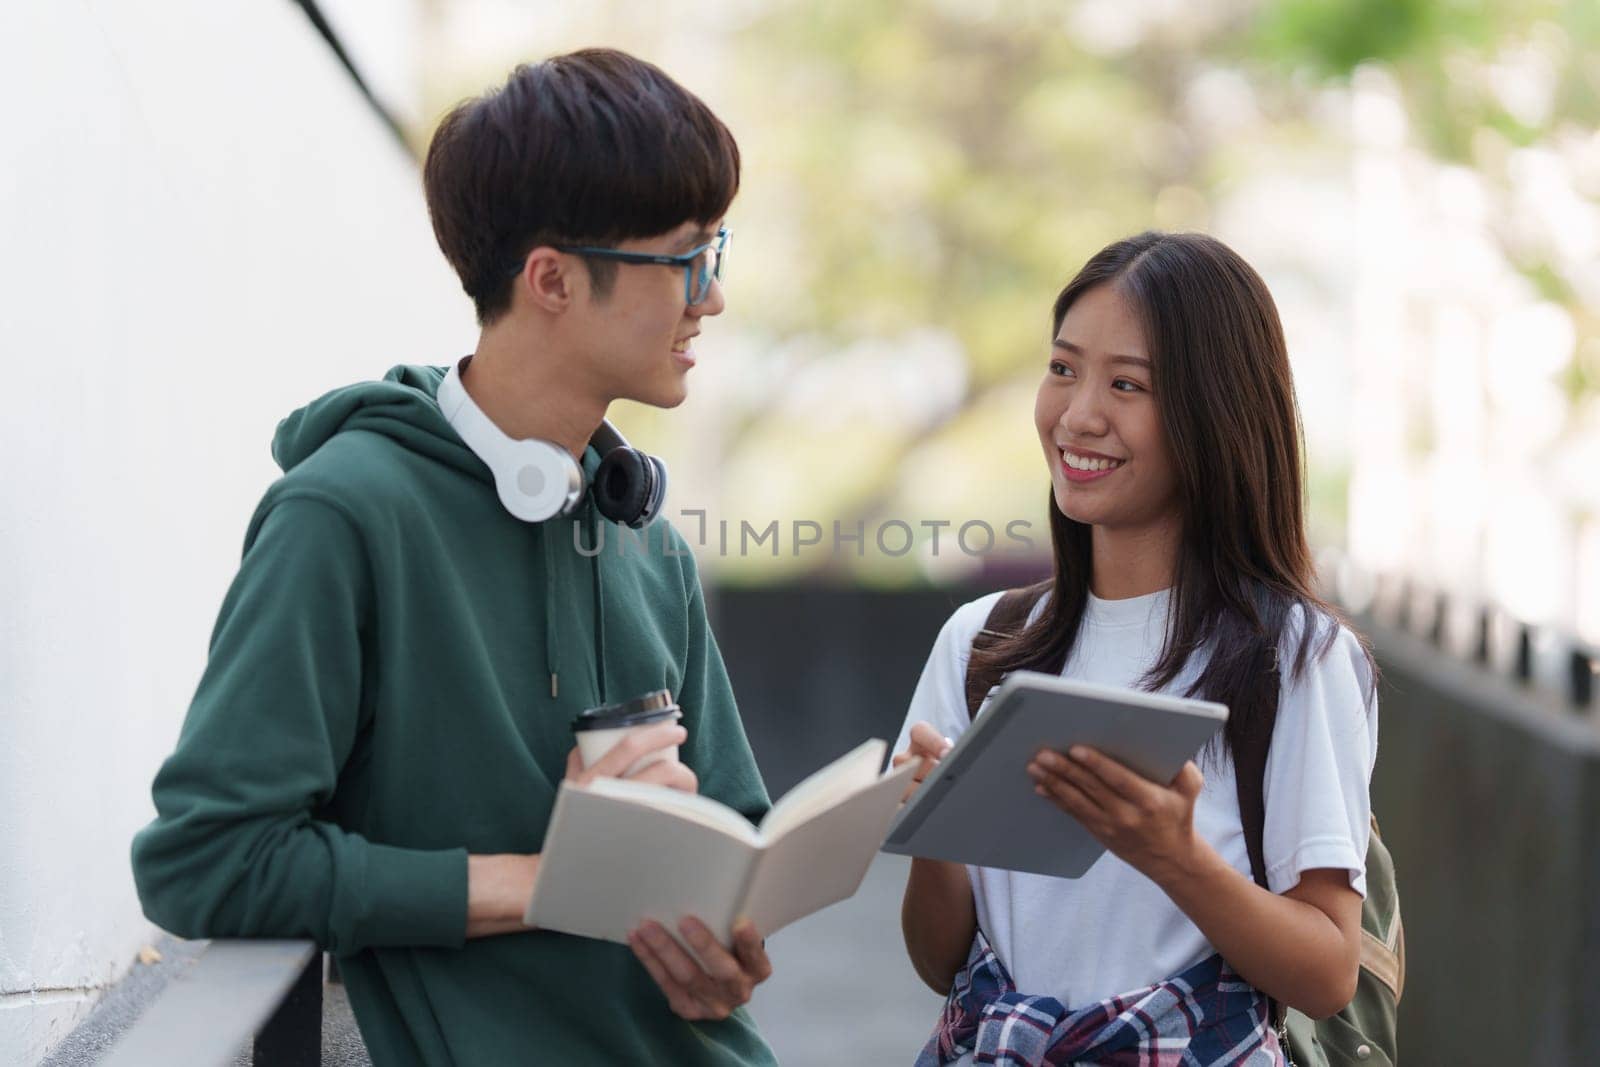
206 1002
221 1001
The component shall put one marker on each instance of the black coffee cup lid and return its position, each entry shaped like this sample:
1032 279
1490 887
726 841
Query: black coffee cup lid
657 706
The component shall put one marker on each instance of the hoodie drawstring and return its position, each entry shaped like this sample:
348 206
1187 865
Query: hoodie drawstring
552 647
599 611
552 654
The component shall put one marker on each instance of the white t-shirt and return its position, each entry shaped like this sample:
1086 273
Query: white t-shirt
1113 930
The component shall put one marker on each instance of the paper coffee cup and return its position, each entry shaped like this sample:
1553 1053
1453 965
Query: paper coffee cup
598 730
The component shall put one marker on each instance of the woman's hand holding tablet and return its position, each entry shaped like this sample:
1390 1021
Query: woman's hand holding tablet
1148 826
978 804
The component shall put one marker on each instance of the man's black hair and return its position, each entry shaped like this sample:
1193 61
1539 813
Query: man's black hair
594 147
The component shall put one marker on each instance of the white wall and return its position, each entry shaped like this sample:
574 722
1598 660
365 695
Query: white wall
383 39
201 227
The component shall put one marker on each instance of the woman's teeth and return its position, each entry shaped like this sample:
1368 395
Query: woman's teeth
1083 463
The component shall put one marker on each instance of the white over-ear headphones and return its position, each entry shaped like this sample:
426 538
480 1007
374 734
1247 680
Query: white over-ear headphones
538 480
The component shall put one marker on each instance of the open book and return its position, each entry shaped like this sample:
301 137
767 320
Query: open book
618 852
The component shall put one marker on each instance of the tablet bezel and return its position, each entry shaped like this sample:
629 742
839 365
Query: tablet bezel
985 813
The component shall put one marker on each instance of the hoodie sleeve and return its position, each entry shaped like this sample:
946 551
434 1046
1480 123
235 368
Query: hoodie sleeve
236 849
717 749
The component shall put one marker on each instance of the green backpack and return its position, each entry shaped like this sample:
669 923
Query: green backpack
1364 1033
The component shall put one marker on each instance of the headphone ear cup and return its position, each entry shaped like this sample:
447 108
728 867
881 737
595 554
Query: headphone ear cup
623 486
656 496
537 481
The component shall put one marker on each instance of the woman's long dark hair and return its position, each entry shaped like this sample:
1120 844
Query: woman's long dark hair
1223 387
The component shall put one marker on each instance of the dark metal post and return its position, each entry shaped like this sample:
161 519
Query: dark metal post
1524 662
293 1036
1581 668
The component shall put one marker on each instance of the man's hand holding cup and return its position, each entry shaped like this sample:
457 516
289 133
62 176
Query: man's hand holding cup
637 739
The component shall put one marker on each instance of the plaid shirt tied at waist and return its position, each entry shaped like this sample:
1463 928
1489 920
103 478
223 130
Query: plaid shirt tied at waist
1205 1017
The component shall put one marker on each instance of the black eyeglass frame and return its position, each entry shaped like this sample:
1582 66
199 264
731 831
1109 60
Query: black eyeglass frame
696 287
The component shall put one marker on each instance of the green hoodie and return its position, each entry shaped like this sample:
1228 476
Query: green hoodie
391 684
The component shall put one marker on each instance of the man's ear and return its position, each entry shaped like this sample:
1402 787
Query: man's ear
551 280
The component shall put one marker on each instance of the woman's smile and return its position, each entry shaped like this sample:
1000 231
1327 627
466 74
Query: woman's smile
1079 466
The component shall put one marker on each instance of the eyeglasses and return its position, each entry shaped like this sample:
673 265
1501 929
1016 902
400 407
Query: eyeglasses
700 265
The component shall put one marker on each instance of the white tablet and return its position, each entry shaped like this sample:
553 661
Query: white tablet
978 806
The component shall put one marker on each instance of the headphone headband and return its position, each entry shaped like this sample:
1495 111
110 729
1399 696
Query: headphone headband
607 438
538 480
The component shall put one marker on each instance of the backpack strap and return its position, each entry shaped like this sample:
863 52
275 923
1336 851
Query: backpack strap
1249 773
1250 757
1006 619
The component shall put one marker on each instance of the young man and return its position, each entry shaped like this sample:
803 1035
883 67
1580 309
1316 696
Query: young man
373 752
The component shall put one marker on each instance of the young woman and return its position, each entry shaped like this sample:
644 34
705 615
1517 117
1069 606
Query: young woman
1169 427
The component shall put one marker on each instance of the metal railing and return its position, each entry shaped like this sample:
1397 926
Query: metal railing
1540 657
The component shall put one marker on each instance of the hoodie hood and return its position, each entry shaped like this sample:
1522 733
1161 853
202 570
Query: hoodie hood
404 407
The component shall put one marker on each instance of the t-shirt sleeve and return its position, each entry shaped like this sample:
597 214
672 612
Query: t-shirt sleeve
1319 768
941 694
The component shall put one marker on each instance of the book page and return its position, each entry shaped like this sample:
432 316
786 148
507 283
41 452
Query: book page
609 863
823 861
691 806
850 773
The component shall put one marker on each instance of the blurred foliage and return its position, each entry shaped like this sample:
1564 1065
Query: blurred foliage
952 167
922 178
1452 61
957 168
1331 38
1438 51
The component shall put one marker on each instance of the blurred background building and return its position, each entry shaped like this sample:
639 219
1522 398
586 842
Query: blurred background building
207 221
